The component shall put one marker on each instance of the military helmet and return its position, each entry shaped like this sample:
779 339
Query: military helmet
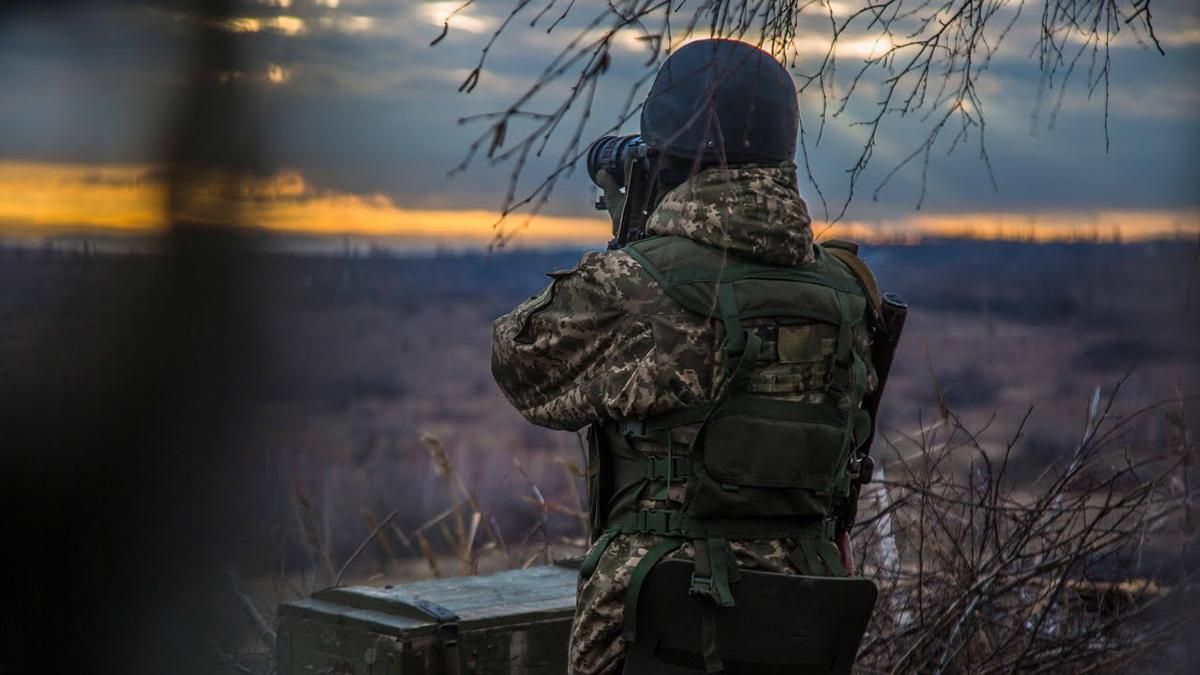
722 101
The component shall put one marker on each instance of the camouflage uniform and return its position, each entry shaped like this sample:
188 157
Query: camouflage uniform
603 342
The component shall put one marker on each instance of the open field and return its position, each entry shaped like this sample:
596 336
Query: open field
357 356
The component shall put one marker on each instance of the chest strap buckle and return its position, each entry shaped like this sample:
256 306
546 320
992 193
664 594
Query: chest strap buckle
671 468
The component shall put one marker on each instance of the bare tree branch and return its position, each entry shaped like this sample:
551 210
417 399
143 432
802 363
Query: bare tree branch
916 59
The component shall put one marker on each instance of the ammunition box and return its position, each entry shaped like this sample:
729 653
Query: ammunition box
515 622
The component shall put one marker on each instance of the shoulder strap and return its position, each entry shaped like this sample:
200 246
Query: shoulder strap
690 273
847 254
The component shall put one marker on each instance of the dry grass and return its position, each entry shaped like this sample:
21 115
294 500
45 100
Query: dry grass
1072 573
978 572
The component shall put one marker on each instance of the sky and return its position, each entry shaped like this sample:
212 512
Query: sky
360 120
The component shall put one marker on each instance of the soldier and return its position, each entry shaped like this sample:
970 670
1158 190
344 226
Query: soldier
720 358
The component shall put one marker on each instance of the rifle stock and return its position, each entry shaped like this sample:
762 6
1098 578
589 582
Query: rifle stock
894 312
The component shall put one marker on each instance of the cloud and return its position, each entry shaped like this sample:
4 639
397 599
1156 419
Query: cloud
286 25
351 96
455 16
1179 36
1158 101
47 198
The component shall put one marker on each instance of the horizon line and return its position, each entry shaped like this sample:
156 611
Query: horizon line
43 200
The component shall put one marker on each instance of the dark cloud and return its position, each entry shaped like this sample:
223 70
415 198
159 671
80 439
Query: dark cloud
152 176
356 99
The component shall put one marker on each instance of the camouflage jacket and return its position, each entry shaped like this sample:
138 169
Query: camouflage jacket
602 341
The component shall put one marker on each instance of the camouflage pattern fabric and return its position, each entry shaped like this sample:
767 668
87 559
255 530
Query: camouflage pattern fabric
750 211
603 342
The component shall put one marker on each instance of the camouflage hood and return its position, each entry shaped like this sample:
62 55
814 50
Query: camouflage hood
752 211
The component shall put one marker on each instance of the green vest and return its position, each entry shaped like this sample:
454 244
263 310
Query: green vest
760 467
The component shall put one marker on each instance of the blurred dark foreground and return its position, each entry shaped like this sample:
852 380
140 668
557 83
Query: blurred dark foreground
126 477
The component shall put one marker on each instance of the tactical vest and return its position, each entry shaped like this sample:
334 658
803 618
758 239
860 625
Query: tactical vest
760 466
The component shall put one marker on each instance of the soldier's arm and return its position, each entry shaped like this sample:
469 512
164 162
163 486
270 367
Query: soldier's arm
576 352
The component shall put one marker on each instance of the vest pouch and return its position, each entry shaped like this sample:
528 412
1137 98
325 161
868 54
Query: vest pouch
762 457
611 494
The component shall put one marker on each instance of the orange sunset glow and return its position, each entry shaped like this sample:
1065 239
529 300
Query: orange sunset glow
39 198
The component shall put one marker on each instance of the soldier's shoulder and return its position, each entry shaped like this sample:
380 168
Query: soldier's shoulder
607 268
621 280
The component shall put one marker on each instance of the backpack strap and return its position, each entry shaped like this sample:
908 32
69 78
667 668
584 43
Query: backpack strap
702 280
847 253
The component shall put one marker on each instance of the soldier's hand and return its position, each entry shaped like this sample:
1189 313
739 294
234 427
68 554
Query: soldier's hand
614 198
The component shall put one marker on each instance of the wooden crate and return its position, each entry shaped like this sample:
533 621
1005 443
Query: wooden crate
514 623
